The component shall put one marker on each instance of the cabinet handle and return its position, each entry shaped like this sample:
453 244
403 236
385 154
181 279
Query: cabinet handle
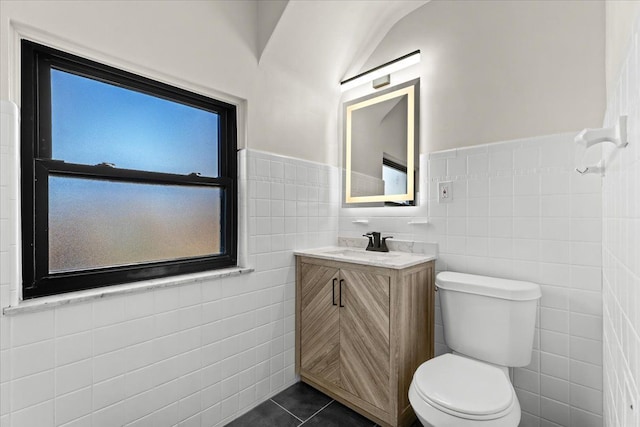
341 281
333 292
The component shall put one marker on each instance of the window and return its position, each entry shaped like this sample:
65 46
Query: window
123 178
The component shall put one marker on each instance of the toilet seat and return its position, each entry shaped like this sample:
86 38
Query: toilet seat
465 388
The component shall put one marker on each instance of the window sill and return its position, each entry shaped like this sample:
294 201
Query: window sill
45 303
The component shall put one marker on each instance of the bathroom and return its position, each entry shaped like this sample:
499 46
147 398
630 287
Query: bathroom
505 86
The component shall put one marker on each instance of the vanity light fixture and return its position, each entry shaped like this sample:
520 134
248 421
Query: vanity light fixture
381 71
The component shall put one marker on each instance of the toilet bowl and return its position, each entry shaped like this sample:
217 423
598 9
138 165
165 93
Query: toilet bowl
489 323
453 390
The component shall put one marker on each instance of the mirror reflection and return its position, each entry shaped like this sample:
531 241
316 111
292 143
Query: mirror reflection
380 141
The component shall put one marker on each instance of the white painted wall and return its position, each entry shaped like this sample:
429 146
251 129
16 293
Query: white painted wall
620 19
269 13
501 70
211 44
621 224
301 67
493 71
201 353
207 47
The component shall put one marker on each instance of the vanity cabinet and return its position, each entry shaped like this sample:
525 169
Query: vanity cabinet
362 331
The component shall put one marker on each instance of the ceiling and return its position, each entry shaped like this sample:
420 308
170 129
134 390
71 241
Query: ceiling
326 41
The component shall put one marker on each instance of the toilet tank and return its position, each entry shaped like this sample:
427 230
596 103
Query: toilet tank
488 318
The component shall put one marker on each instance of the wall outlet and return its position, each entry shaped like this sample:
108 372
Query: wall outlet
445 192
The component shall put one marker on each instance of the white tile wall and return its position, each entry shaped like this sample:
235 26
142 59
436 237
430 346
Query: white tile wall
191 355
407 223
621 251
520 211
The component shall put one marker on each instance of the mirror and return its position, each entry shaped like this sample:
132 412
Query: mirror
381 134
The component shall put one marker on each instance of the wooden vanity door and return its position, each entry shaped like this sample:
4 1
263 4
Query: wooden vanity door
320 322
364 337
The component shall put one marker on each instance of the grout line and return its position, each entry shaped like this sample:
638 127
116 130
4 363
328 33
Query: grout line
318 411
285 409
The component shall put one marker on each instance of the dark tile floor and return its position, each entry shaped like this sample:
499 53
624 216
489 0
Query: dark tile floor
299 405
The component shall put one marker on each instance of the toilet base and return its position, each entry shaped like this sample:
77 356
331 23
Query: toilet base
432 417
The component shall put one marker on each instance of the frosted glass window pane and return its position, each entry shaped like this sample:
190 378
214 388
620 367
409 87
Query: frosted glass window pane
95 224
395 181
94 122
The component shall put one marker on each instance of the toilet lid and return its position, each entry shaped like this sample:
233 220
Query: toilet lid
464 387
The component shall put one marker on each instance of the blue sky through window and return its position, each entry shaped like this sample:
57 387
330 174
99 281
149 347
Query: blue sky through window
95 122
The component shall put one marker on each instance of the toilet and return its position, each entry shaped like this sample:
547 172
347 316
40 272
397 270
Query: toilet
489 323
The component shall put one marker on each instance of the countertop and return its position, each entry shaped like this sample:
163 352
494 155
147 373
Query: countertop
392 259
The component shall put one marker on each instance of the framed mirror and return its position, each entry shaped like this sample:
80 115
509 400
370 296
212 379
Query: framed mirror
381 147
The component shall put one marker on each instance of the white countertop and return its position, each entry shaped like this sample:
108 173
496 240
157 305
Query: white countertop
392 259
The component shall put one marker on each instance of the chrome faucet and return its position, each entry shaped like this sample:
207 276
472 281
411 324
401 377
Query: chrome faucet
376 243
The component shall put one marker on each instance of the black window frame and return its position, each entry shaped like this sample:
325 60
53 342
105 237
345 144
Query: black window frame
37 165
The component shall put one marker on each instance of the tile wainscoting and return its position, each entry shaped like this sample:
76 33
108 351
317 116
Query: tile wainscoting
520 211
621 250
204 353
198 354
